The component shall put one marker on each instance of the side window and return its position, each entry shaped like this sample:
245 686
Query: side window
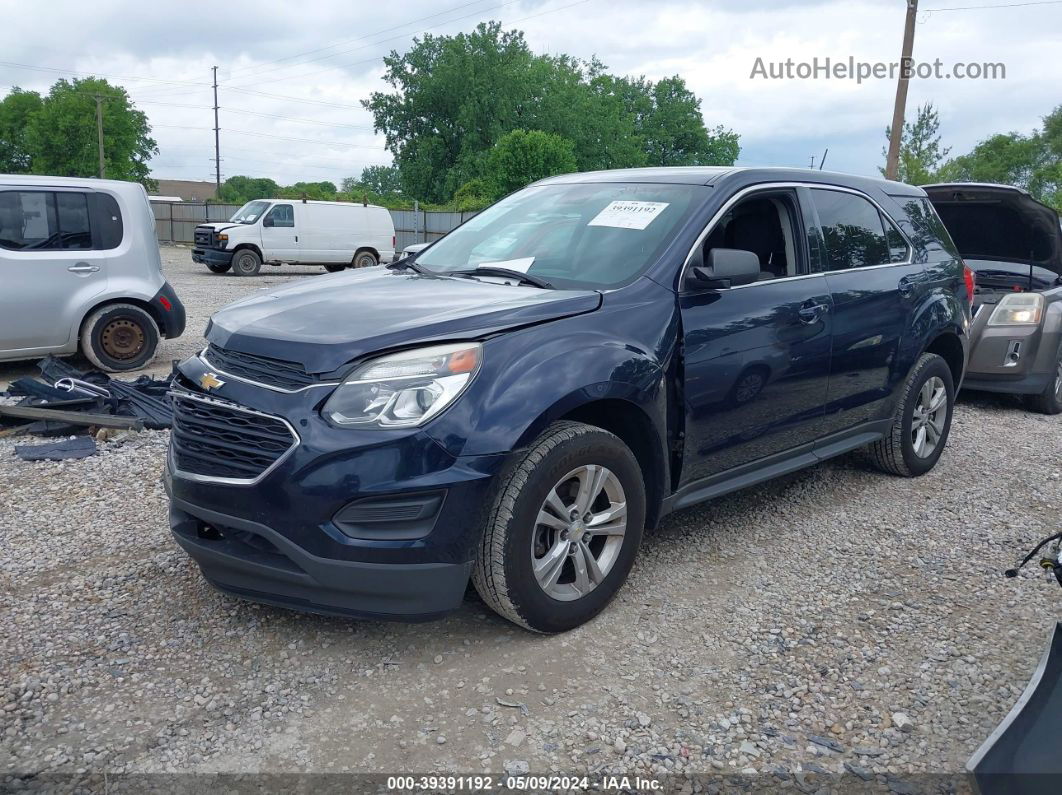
74 229
899 251
109 220
852 229
281 215
27 220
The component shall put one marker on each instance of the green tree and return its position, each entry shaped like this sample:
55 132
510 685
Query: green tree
668 119
16 110
921 153
521 157
239 189
1032 162
61 135
381 179
452 99
320 191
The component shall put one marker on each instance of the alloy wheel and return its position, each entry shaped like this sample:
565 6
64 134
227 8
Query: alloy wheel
1058 381
579 532
929 416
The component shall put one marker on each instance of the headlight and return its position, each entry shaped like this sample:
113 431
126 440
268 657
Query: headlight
1018 309
404 389
223 239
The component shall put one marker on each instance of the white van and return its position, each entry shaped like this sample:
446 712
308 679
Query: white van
337 235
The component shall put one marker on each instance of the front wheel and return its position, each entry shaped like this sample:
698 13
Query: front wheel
1050 400
246 262
335 267
564 529
219 267
922 422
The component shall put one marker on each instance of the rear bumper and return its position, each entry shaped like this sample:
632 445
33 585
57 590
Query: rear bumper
170 314
252 561
211 256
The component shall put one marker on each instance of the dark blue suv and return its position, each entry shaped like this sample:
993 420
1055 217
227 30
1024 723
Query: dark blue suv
516 403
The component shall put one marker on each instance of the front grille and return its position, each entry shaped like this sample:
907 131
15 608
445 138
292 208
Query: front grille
260 369
222 440
204 236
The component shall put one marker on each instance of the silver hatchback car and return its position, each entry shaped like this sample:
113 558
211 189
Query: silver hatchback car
80 269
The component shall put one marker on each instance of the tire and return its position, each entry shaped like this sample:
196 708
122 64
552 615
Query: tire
219 267
246 262
365 259
117 338
335 267
898 453
504 574
1050 400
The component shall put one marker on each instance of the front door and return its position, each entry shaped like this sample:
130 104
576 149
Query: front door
875 289
49 271
280 235
756 357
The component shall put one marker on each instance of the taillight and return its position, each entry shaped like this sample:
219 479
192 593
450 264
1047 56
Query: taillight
968 276
394 240
165 303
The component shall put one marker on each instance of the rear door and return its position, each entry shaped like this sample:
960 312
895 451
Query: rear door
280 235
875 288
50 268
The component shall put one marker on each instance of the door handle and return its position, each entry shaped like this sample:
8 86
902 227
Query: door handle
83 267
905 288
811 311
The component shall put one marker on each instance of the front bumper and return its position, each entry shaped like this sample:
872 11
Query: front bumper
284 539
1016 360
211 256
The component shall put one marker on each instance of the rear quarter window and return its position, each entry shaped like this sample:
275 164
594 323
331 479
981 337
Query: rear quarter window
109 220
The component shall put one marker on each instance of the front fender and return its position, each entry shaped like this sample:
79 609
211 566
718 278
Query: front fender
536 375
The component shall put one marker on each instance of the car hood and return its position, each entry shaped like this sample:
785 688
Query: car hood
326 321
219 226
999 223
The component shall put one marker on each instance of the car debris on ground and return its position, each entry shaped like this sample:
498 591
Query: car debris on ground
66 402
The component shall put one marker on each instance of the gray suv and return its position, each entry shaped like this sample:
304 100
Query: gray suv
81 270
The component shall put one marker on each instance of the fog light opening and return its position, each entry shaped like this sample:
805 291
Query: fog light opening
208 532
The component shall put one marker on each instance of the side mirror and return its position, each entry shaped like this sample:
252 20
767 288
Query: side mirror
267 221
726 267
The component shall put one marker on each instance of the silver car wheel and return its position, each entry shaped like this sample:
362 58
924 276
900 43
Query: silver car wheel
579 532
930 413
1058 382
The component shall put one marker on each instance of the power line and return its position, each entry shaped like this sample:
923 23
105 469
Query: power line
100 74
1002 5
256 67
302 140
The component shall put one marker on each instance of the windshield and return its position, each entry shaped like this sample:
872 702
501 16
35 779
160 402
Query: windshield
250 212
583 235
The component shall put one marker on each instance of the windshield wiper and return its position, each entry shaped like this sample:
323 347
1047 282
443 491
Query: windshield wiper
406 263
490 270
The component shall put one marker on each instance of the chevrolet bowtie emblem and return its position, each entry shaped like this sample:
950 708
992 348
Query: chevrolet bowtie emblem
210 381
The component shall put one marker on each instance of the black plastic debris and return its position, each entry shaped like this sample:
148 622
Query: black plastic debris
77 447
91 393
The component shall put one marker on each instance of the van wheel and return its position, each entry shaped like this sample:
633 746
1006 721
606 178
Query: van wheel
563 530
219 267
365 259
922 422
119 337
335 267
1050 400
246 262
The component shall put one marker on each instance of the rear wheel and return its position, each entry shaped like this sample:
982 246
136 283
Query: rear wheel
119 337
922 422
335 267
365 259
563 531
219 267
1050 400
246 262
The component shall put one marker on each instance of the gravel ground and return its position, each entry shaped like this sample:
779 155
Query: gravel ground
838 619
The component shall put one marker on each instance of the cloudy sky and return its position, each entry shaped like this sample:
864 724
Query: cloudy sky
292 74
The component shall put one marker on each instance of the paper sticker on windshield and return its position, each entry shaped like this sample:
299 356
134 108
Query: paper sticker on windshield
523 264
628 214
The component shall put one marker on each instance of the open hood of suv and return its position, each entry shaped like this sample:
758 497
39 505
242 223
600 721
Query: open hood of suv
999 223
324 322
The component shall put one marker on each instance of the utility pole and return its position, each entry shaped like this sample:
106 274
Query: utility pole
217 135
893 159
99 130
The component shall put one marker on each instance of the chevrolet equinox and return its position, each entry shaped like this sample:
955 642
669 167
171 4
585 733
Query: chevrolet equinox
517 402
